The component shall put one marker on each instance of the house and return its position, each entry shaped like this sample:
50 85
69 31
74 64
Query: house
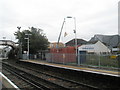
72 42
54 45
97 47
111 41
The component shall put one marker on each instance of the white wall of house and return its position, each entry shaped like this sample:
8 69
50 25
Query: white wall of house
98 48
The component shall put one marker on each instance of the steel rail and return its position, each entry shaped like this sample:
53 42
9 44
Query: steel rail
75 83
64 79
26 79
33 78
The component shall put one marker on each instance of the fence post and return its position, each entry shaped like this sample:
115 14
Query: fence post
51 57
63 58
78 58
99 61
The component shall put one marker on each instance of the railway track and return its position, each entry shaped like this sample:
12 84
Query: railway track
32 84
48 80
62 79
14 77
34 80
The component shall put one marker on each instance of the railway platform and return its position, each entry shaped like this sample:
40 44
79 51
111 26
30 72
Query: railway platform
6 84
76 68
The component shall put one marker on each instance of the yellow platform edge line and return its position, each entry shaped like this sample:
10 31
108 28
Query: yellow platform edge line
74 67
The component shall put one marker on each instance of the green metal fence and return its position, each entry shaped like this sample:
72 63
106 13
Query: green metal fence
93 60
101 60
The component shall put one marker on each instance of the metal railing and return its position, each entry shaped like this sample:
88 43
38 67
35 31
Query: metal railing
95 60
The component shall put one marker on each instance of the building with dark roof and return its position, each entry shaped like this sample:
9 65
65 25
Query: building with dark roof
96 47
111 41
72 42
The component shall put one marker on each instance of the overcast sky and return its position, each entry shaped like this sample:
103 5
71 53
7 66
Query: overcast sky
92 17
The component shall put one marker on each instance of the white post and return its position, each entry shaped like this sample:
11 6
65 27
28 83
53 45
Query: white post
75 35
78 57
28 48
28 45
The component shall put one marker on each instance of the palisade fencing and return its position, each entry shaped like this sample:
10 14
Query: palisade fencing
100 60
31 56
94 60
61 58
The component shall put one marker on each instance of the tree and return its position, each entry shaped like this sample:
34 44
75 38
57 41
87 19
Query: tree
38 40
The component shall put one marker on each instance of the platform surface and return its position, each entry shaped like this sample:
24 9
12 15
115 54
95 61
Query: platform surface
7 83
77 68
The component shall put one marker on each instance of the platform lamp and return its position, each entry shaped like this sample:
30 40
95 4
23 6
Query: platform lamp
75 33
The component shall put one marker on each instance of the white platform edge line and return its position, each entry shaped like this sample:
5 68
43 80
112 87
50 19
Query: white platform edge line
9 81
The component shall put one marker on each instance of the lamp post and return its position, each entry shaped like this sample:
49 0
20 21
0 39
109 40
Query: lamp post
28 45
119 34
75 33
